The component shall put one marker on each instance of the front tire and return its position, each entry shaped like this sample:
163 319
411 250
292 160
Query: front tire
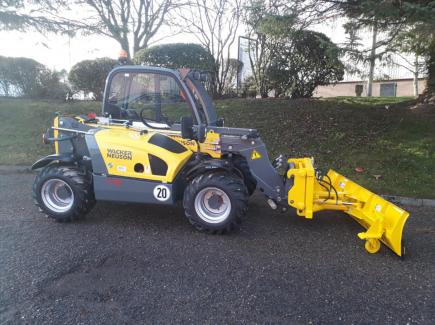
249 180
215 202
63 193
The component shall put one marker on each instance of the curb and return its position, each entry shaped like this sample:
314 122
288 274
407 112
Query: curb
410 201
6 170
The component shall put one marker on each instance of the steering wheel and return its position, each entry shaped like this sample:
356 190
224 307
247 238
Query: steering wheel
146 121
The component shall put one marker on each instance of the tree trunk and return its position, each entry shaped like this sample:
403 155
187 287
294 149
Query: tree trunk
372 62
263 91
214 86
415 83
136 49
430 88
416 68
428 96
125 46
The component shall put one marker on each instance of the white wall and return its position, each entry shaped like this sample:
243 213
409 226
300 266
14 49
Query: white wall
405 87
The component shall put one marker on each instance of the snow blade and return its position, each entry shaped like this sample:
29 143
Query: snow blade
382 220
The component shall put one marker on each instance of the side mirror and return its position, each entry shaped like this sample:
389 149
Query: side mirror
200 76
187 127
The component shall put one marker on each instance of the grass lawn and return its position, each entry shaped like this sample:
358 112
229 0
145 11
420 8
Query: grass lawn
341 133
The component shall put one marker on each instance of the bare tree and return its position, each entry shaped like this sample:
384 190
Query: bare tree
416 66
409 51
134 24
214 23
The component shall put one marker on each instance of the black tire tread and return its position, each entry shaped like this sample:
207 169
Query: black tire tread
82 186
233 185
242 165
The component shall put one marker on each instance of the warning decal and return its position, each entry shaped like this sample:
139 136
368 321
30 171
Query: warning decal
255 155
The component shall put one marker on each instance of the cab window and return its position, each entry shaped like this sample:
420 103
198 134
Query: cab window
153 96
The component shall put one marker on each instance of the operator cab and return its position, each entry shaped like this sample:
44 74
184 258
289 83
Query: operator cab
158 98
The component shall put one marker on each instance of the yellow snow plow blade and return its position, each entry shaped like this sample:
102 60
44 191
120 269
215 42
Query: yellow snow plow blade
382 220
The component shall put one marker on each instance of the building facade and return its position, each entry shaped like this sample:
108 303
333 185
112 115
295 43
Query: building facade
381 88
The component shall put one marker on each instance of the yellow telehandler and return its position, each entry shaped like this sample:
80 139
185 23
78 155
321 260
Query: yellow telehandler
159 140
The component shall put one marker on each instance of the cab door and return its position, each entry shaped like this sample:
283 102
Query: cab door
152 100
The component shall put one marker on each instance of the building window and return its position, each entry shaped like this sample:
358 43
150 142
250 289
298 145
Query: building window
359 90
388 89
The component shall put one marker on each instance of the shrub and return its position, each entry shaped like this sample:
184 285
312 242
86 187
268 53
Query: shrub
248 88
24 77
90 76
176 55
302 61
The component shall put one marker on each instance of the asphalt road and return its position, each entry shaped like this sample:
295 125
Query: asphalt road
146 264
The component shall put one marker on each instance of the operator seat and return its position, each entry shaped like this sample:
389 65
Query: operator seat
113 110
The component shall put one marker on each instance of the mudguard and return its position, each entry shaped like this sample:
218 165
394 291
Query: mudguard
208 165
383 220
63 157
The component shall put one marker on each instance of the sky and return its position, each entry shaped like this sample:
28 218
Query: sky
62 52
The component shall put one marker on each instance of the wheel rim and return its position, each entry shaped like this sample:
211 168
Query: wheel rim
372 245
57 195
212 205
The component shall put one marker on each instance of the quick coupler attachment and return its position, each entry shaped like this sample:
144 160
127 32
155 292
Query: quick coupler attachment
382 220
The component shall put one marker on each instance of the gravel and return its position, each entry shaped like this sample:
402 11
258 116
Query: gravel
146 264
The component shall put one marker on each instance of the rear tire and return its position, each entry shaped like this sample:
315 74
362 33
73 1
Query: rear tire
215 202
63 193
